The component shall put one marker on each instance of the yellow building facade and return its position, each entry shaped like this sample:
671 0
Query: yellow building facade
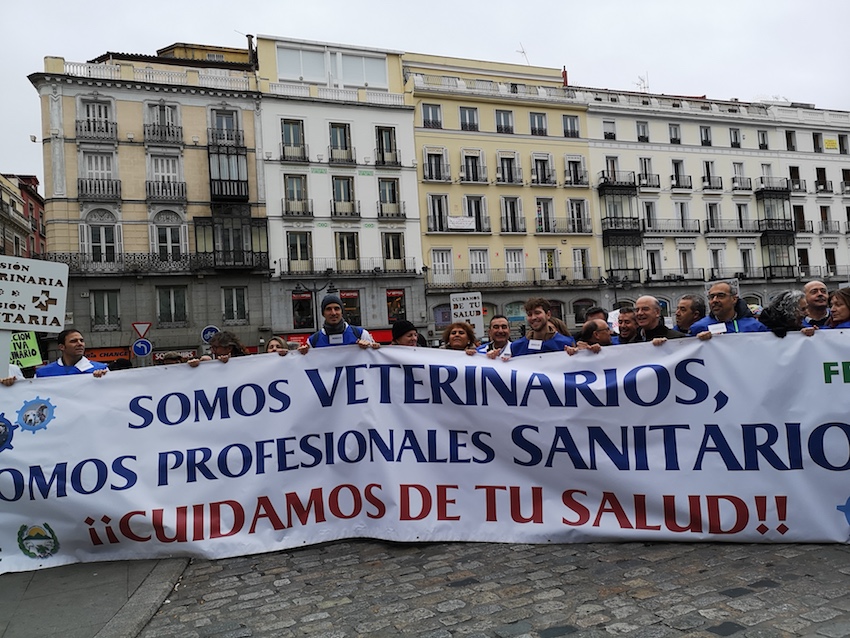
504 189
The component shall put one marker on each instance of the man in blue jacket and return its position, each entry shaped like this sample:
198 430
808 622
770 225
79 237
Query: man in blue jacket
337 331
722 298
72 360
541 335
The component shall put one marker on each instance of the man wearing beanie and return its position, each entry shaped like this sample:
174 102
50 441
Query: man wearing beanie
405 333
337 331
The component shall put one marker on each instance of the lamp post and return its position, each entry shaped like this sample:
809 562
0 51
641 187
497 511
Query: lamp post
314 291
616 283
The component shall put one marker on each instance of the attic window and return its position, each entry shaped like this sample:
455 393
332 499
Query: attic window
215 57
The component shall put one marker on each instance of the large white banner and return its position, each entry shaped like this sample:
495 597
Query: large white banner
741 438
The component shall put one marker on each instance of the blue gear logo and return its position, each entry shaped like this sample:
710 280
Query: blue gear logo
35 414
6 431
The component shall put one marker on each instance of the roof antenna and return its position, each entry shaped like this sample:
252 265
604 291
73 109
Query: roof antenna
521 51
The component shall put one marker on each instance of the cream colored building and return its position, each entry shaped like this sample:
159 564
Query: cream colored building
152 197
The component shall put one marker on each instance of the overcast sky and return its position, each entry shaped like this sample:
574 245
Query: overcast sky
747 49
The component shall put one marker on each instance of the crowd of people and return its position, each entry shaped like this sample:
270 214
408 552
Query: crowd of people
808 310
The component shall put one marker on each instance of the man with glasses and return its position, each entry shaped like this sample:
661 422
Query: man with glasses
722 300
595 332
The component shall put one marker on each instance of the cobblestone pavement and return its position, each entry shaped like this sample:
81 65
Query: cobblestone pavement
358 588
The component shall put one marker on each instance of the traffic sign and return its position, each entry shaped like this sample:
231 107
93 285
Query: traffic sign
141 328
142 347
208 332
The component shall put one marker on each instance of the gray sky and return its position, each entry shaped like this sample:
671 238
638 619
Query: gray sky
748 49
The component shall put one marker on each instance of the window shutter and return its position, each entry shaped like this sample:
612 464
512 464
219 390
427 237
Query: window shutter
84 239
119 240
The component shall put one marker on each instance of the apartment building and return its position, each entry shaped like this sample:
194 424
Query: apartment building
152 196
530 187
21 208
340 186
505 194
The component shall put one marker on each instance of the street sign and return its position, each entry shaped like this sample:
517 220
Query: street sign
208 332
141 328
142 347
467 307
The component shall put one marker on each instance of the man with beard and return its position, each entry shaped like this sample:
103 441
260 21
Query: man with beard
337 331
722 300
541 335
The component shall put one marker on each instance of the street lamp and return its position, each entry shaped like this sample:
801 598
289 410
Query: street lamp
314 290
616 283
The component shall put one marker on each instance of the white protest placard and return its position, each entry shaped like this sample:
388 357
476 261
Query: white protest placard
467 307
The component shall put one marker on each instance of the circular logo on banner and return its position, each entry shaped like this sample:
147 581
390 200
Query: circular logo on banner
142 347
208 332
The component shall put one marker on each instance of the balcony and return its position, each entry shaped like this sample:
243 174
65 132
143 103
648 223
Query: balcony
476 174
225 137
391 210
390 158
773 225
564 226
345 208
671 226
675 140
536 130
803 226
681 182
575 178
731 226
514 277
608 135
469 126
432 123
797 186
511 224
649 180
824 187
235 190
845 189
297 207
741 183
155 263
674 276
504 128
104 130
781 272
99 190
630 224
163 134
829 227
712 183
166 191
644 139
437 172
543 178
509 176
299 153
326 266
779 185
341 155
740 273
617 179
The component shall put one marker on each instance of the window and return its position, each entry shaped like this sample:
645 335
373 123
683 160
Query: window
575 175
538 123
171 307
842 144
542 172
295 190
581 263
735 137
579 220
609 130
685 261
340 148
438 210
649 217
545 216
351 306
388 197
642 131
396 310
229 167
712 210
393 247
475 206
386 153
512 219
292 138
225 130
468 118
472 169
302 310
431 116
762 139
104 310
163 124
101 237
514 264
479 264
571 126
347 251
436 167
96 122
675 133
441 265
234 305
681 210
343 192
548 264
705 135
344 69
790 140
299 251
504 121
170 237
817 142
653 262
98 165
507 171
